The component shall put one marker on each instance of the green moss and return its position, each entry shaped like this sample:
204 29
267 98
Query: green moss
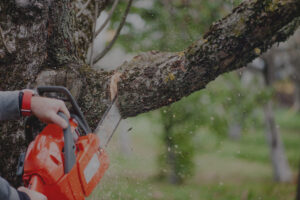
272 5
239 27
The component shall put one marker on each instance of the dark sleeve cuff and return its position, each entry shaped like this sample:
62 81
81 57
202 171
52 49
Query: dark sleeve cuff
23 196
9 105
20 102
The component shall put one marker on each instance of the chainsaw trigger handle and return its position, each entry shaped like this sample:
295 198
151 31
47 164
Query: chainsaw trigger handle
62 90
69 146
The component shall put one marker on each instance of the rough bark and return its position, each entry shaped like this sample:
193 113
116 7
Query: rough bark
37 47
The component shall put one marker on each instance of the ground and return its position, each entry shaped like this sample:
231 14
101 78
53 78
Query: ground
225 170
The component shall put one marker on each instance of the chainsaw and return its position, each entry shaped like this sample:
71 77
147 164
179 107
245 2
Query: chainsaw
67 164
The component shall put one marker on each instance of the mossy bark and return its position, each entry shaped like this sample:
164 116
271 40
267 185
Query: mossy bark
37 47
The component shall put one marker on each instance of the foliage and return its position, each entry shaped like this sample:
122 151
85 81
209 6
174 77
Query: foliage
222 103
170 25
224 169
233 100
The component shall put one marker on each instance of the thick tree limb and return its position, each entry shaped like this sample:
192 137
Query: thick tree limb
155 79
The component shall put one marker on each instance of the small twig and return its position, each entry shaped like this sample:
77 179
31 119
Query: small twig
102 5
3 40
108 17
108 47
94 30
83 8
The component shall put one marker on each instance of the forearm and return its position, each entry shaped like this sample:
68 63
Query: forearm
9 105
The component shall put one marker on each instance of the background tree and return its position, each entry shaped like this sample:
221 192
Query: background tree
176 159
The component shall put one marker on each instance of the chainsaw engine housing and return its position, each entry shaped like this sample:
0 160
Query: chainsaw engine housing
44 165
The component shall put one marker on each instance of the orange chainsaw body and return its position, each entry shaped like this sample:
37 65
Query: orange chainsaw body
44 165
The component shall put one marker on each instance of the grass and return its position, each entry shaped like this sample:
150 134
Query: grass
225 169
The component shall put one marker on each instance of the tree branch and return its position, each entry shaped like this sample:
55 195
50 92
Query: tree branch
94 32
109 46
83 8
154 79
108 17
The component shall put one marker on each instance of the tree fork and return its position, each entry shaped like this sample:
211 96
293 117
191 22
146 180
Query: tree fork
37 47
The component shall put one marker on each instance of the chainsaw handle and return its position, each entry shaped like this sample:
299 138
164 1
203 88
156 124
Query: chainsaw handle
69 146
36 184
59 89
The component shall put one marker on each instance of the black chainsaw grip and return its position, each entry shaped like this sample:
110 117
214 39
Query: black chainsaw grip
69 146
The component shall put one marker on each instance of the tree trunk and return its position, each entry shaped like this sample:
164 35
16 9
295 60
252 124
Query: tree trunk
171 158
235 131
294 52
37 48
296 66
298 186
296 105
281 168
172 176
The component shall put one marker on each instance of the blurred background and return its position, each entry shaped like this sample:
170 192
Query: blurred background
237 139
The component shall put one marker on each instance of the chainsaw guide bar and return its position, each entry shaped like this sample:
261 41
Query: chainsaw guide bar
108 124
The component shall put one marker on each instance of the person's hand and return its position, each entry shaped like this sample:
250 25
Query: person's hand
33 195
46 110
